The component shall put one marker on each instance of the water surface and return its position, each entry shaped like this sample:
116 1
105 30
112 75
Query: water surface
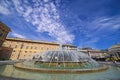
113 73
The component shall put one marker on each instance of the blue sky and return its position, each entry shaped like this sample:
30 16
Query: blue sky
84 23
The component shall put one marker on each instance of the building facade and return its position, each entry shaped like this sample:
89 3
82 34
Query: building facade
5 53
23 49
69 47
4 30
95 54
114 52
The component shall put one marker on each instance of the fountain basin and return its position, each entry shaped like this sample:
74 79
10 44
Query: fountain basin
112 73
48 70
61 62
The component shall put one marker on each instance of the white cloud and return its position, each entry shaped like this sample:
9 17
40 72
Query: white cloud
107 22
4 10
17 35
46 0
46 18
43 14
92 41
85 42
100 28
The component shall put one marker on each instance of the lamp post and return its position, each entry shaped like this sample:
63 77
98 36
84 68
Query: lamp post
89 54
20 50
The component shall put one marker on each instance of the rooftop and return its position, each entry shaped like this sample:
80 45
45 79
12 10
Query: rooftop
115 46
35 41
5 26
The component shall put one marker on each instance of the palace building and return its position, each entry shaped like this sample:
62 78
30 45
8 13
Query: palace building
4 30
23 49
114 52
95 54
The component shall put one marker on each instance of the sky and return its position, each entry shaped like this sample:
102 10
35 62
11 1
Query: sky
84 23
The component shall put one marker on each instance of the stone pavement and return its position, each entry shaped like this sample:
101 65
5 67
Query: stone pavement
10 62
9 78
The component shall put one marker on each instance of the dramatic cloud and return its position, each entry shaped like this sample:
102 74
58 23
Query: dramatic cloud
108 23
44 15
104 25
65 21
4 8
98 29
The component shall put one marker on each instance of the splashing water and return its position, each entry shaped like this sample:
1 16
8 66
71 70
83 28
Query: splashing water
65 60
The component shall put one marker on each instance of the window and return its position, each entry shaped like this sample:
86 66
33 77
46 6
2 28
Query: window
35 47
1 34
9 45
26 47
31 47
16 46
2 30
0 44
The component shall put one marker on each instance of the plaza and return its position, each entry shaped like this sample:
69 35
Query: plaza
59 40
21 58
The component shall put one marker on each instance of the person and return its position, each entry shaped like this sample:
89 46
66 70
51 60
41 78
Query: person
58 64
40 58
115 62
33 57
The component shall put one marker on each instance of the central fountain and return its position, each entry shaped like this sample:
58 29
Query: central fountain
61 61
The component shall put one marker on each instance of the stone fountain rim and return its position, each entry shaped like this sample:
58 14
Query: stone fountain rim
44 70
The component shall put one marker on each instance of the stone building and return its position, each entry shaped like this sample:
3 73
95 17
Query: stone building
23 49
114 52
93 53
4 30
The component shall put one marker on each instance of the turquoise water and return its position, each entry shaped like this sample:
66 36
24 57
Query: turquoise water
90 65
113 73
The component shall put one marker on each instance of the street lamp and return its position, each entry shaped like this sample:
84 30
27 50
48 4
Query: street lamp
20 50
89 54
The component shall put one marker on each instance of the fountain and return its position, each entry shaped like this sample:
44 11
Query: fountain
61 61
41 65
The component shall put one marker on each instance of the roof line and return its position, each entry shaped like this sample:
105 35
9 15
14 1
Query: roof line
35 41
